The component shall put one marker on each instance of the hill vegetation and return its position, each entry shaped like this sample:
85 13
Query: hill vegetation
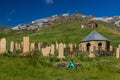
37 67
65 32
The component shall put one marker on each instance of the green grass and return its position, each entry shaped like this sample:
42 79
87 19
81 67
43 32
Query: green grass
15 67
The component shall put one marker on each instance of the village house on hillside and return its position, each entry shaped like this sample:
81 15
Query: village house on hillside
92 24
95 40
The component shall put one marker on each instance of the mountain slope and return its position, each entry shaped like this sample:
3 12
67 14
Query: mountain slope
65 32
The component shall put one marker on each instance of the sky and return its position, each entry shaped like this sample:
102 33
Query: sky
14 12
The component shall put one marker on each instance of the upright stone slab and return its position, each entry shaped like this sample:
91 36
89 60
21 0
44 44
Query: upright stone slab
61 51
119 46
46 51
111 48
52 49
71 47
19 46
3 45
64 45
32 46
117 53
91 52
39 46
56 46
12 46
25 44
16 46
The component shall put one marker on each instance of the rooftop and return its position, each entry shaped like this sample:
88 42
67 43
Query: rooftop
94 36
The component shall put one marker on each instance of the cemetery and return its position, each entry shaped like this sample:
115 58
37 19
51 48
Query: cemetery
47 54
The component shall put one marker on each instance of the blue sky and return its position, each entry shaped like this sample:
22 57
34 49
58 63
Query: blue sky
13 12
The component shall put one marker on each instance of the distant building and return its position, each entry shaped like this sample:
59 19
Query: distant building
95 40
92 24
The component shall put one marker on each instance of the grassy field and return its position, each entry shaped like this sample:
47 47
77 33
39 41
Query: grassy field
37 67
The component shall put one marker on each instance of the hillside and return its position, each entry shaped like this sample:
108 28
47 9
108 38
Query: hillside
65 32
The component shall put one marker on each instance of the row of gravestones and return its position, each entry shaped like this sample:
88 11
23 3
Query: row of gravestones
46 51
49 50
92 51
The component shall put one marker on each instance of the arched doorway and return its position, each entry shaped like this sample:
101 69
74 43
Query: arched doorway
99 46
88 46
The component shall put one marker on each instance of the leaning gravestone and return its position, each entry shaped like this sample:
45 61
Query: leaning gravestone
61 51
25 44
117 53
3 45
12 46
52 49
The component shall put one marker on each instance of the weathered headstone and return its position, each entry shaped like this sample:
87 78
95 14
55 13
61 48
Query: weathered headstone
52 49
61 51
56 45
3 45
111 48
64 45
39 46
25 44
12 46
46 51
16 46
119 46
32 46
117 53
71 48
91 52
19 46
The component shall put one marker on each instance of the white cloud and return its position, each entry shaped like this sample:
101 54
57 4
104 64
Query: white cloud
49 1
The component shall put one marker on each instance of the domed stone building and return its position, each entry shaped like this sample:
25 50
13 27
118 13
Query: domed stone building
95 40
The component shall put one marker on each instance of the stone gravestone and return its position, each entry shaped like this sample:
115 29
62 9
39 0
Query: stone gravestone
25 44
39 46
32 46
19 46
117 53
111 48
119 46
16 46
52 49
56 45
12 46
91 52
3 45
71 48
64 45
61 51
46 51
